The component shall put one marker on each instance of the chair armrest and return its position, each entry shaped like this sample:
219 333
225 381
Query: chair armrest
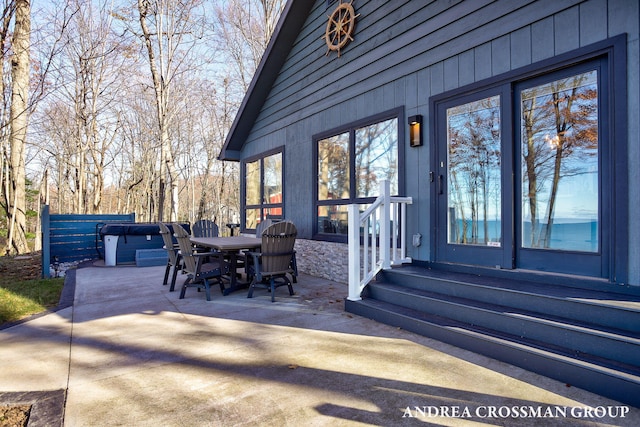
253 256
252 266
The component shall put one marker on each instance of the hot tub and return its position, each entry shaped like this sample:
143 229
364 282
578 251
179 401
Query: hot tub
122 240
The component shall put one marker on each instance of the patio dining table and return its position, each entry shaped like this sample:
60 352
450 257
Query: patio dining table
230 246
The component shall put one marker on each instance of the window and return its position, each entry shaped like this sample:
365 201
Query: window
262 189
351 162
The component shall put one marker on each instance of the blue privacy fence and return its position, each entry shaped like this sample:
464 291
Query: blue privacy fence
68 238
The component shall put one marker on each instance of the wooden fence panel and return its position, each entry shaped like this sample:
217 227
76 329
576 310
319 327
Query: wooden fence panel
73 237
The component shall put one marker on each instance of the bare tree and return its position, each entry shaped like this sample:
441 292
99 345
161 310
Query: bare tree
102 141
170 31
8 7
245 27
96 57
214 193
55 125
79 119
19 115
139 157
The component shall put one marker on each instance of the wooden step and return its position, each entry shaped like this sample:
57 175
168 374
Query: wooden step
578 337
620 383
584 336
617 307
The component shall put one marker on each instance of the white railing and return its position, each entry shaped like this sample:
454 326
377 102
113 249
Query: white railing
382 228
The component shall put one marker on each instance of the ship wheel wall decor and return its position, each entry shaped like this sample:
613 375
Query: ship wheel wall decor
340 28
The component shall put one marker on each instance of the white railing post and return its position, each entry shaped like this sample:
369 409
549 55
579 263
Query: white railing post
385 220
354 252
394 231
380 239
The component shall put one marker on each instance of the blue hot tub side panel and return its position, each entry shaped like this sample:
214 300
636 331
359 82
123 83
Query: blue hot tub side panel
129 244
133 237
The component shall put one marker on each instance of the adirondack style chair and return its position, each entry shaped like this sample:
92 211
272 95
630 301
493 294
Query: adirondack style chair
273 262
262 226
201 268
173 254
205 228
247 262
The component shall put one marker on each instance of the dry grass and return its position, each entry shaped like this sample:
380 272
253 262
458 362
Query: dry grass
14 416
22 291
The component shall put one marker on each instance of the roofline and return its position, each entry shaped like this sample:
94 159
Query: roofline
291 21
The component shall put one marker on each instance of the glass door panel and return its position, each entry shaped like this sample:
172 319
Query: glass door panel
518 175
473 173
560 165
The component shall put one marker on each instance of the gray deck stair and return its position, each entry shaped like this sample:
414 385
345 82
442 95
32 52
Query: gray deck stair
584 337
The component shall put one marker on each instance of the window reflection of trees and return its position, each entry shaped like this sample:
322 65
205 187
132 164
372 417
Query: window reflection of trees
376 157
363 156
272 178
473 135
559 126
263 189
252 180
333 167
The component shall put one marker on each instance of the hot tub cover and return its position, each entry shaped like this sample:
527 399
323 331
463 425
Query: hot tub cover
134 229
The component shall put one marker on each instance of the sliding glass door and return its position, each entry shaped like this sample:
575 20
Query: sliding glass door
559 204
519 175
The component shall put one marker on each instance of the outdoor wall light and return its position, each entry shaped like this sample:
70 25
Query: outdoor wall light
415 131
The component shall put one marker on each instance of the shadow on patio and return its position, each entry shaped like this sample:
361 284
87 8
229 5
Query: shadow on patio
141 356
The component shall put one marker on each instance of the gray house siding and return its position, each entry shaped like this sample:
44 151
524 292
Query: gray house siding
404 53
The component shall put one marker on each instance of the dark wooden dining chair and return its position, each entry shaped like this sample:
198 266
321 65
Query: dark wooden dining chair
202 268
272 263
247 262
262 226
205 228
174 258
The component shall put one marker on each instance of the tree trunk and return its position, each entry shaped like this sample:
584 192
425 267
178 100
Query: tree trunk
160 85
531 173
4 140
561 128
17 242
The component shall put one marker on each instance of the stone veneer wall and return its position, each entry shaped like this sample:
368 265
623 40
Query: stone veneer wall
328 260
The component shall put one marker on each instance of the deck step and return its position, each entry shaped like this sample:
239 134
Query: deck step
617 307
579 337
583 337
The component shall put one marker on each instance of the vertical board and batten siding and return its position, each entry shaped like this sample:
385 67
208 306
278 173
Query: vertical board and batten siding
70 237
392 40
403 53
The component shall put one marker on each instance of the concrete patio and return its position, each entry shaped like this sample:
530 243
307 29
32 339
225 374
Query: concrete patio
129 352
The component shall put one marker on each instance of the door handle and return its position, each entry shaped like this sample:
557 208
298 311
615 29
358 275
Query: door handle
440 184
